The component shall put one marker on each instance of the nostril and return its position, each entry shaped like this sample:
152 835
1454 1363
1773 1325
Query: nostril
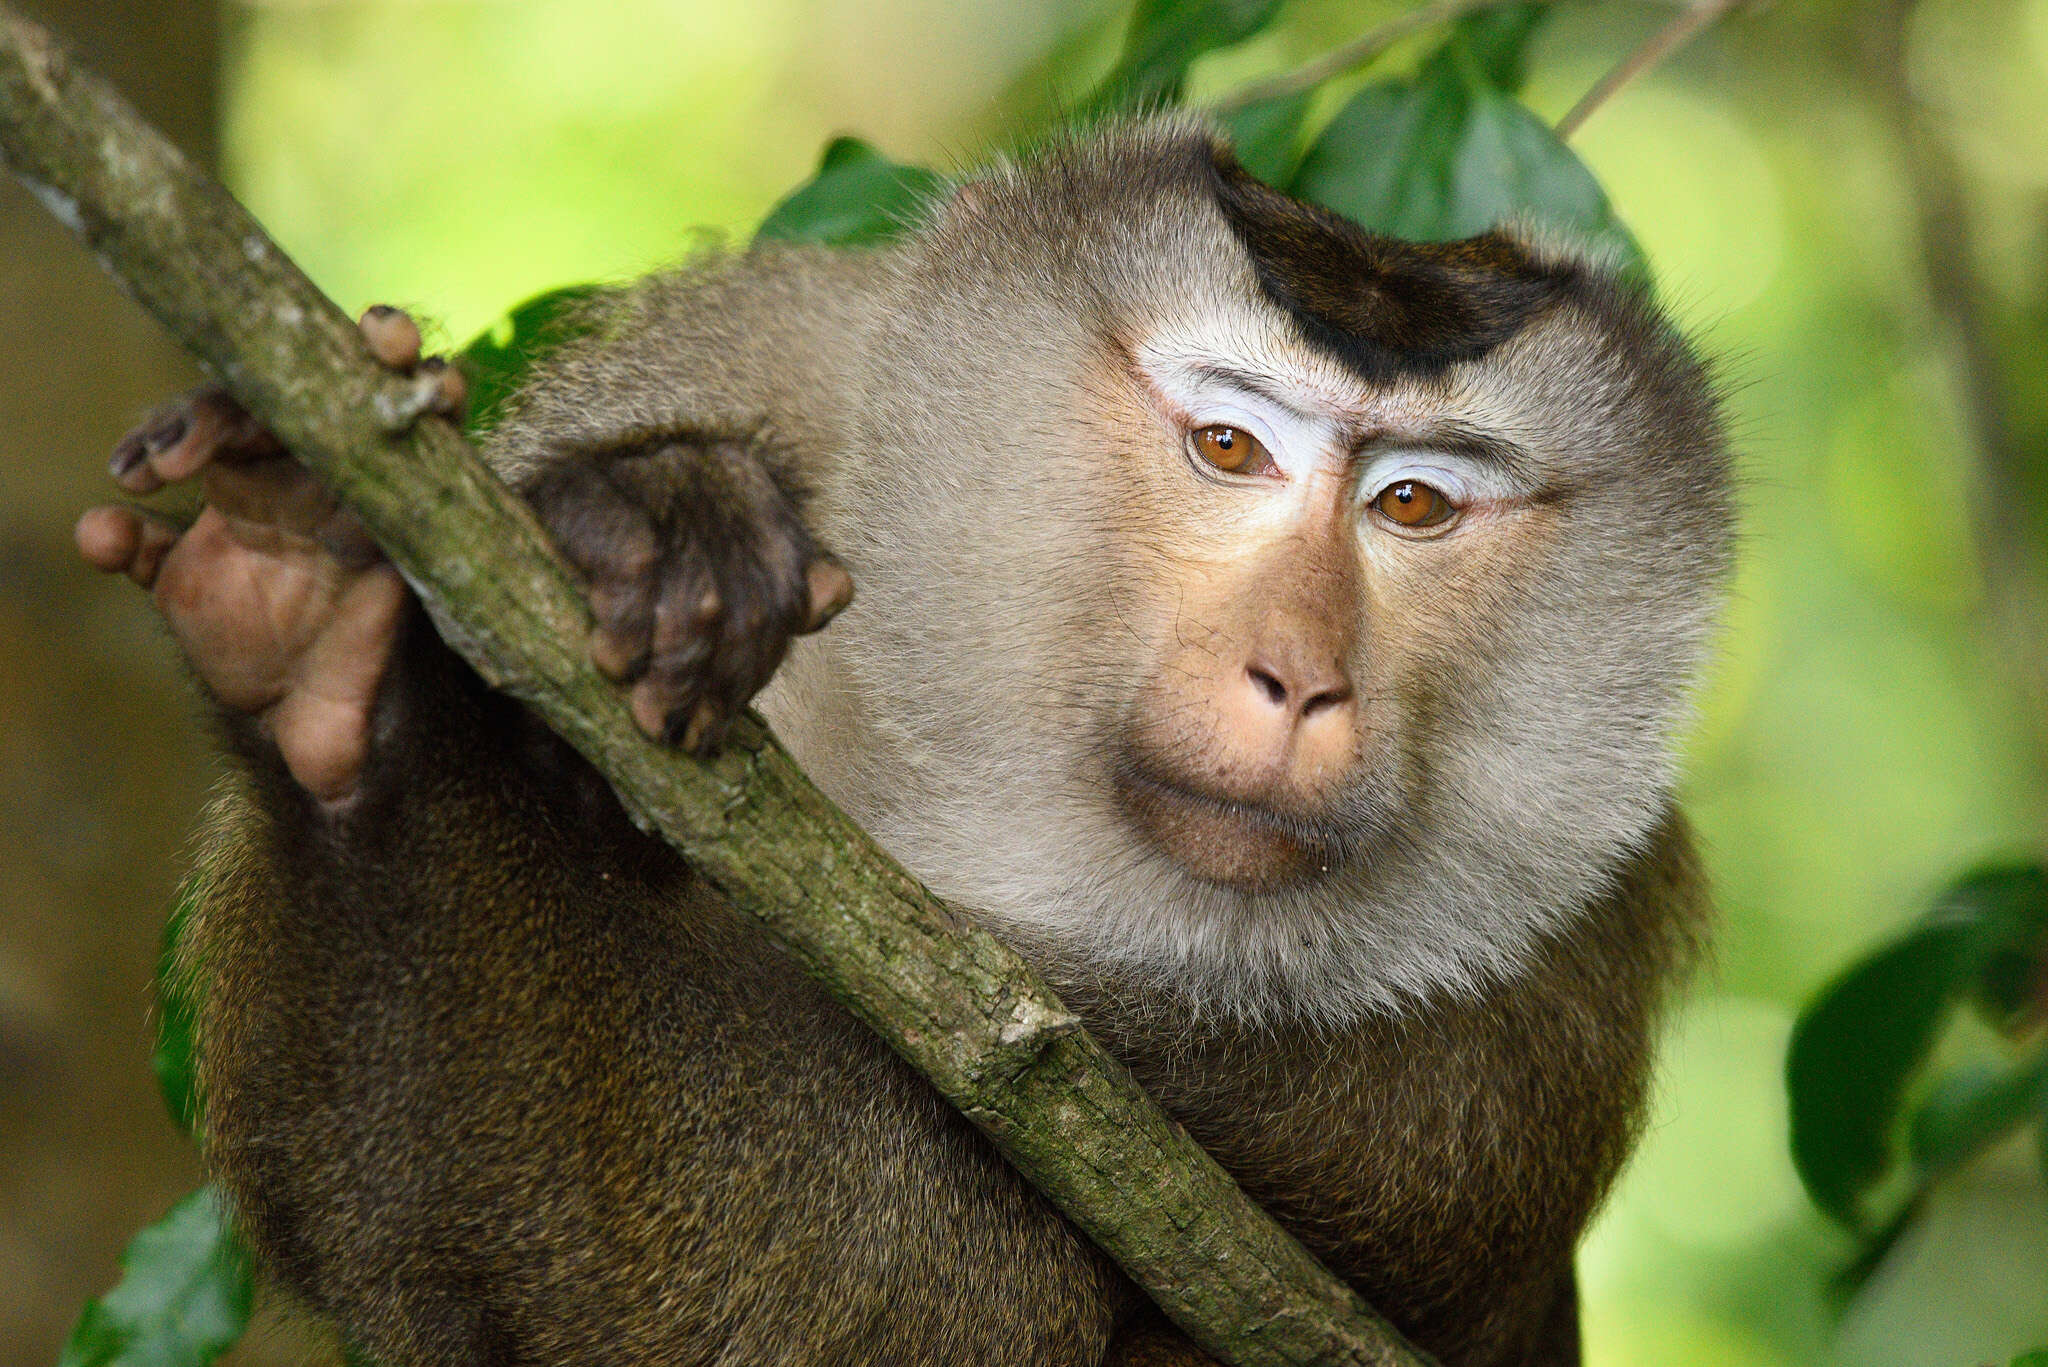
1329 697
1268 684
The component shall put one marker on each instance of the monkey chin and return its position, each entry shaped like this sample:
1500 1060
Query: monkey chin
1234 842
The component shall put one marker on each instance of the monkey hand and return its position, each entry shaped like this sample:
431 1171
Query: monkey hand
281 601
700 572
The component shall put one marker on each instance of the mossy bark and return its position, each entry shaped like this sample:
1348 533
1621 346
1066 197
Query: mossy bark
959 1005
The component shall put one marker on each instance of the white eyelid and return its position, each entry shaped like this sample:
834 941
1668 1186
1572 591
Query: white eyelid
1293 439
1457 478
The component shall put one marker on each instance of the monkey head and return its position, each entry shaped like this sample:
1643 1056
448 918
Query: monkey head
1289 620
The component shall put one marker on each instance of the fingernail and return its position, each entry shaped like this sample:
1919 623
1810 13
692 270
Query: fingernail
699 729
129 452
164 435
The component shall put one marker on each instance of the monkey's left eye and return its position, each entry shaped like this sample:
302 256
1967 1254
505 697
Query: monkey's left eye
1231 448
1411 503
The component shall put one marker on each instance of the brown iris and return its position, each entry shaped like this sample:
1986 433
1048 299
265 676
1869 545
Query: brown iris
1410 503
1230 448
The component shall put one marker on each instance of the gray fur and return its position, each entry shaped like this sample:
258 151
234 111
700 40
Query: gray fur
966 708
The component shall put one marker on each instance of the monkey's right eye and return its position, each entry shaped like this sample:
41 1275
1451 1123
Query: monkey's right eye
1231 448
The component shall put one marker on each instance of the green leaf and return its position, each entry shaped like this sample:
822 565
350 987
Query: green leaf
1445 154
1165 38
1972 1109
2037 1358
1861 1039
497 361
171 1059
1854 1048
183 1299
1267 135
2011 901
2041 1131
858 196
1497 41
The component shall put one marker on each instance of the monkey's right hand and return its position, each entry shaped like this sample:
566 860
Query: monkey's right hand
285 607
700 572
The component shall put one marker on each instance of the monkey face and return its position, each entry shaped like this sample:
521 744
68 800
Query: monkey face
1289 619
1293 633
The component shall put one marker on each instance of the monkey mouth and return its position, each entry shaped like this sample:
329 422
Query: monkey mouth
1234 840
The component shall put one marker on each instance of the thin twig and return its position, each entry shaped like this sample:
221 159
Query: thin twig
1690 22
2009 544
1354 54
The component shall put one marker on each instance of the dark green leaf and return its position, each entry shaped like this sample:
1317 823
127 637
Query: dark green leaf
1267 135
1497 41
171 1060
183 1298
858 196
1854 1048
1445 155
496 362
1877 1246
2041 1131
2011 901
1165 38
2037 1358
1971 1109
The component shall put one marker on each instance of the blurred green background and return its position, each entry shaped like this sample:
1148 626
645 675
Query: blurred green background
1844 201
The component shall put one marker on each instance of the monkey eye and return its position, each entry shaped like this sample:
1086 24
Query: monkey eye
1231 449
1409 503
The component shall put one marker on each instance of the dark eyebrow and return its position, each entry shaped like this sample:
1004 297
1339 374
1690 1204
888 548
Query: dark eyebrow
1484 448
1250 384
1454 439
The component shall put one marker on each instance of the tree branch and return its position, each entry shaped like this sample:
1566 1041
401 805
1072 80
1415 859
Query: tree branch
961 1007
1354 54
1690 22
2008 531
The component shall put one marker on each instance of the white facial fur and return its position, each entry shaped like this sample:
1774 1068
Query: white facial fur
959 710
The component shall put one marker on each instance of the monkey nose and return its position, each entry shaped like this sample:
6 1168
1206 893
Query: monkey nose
1293 714
1301 692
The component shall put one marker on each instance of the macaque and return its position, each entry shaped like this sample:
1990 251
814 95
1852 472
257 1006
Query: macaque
1278 633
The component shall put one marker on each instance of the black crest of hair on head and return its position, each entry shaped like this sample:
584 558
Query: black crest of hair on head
1382 306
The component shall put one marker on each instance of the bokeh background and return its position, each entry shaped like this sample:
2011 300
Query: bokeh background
1844 200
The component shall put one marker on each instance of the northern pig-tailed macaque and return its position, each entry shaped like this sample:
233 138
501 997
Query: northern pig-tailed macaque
1275 631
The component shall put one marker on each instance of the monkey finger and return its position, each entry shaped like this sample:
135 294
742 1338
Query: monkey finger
745 659
129 464
184 437
623 641
830 589
668 692
449 397
120 540
669 708
618 643
392 336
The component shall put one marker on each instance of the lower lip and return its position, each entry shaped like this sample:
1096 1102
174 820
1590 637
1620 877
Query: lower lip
1214 839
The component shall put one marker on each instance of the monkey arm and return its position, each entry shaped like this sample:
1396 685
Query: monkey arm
492 1075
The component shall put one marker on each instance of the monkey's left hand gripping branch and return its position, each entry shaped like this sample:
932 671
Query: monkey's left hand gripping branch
962 1008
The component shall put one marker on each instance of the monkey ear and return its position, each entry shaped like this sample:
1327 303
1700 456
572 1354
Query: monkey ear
967 203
